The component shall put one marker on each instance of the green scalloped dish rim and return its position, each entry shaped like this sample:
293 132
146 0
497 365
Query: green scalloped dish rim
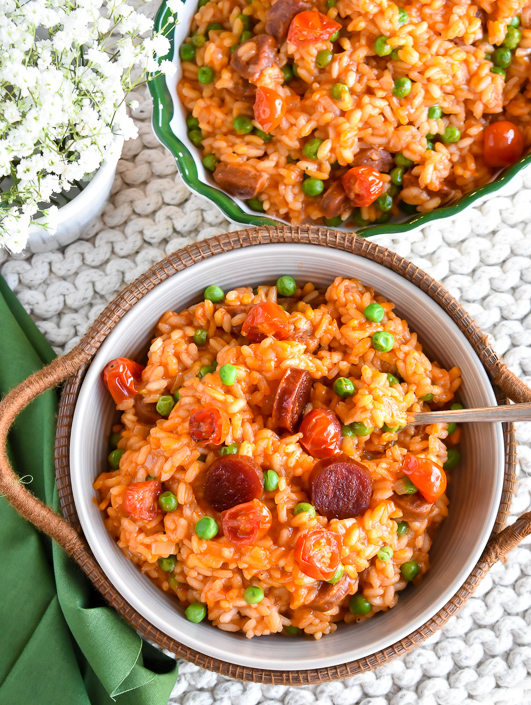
163 114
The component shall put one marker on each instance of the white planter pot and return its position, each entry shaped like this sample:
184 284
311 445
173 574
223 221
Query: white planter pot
75 217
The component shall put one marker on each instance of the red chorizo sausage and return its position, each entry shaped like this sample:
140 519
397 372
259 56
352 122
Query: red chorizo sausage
146 412
328 595
279 16
334 201
292 395
380 159
340 487
253 56
240 180
413 506
232 480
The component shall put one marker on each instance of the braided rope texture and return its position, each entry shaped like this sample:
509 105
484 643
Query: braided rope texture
483 654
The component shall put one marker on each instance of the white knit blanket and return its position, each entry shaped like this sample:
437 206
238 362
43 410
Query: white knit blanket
483 257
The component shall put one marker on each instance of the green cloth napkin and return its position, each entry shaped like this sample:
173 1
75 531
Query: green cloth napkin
59 642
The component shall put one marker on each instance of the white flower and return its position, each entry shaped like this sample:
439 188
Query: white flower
11 113
168 68
174 6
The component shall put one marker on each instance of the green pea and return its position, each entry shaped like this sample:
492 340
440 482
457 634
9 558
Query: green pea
497 69
263 135
334 222
359 605
167 564
205 370
246 36
202 458
202 3
270 480
206 528
410 570
429 145
451 428
488 55
385 553
383 341
114 440
286 286
232 449
192 122
288 73
335 36
360 429
502 57
213 25
295 70
253 595
196 137
343 387
330 4
165 404
339 90
456 406
403 17
198 40
402 87
374 312
515 22
311 148
205 75
427 397
402 161
358 219
407 208
392 379
233 49
176 396
384 202
290 628
214 293
195 612
210 162
115 457
381 47
337 575
402 528
242 125
347 431
172 582
304 507
397 175
434 112
200 336
246 21
187 52
228 374
313 187
255 204
453 460
429 136
451 134
323 58
168 502
394 55
150 478
408 486
390 429
385 217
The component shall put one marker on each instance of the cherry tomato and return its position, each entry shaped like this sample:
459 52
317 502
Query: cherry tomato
311 27
140 500
209 425
122 377
318 552
363 185
245 524
428 477
503 144
269 108
321 433
264 320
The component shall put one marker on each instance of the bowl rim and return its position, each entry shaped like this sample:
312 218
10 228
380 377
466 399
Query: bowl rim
203 250
187 161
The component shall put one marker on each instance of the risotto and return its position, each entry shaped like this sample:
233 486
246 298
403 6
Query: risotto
354 111
263 472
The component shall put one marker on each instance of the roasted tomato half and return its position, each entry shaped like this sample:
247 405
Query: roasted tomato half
264 320
269 108
428 477
245 524
503 144
311 27
209 425
363 185
321 433
318 553
140 500
122 377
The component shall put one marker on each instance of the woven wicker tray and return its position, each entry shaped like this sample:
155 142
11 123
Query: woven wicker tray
72 367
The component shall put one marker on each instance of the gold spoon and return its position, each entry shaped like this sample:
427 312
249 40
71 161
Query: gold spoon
510 412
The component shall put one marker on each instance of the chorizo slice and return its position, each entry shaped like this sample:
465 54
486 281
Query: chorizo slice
240 180
146 412
234 309
380 159
413 506
340 487
279 16
242 89
253 56
334 200
292 395
328 595
232 480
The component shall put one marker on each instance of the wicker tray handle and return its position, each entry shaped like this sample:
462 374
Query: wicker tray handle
46 520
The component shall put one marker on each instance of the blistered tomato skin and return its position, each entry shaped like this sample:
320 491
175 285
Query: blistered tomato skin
503 144
264 320
232 480
269 108
341 488
428 477
311 27
363 185
209 425
141 500
245 524
321 433
318 553
123 378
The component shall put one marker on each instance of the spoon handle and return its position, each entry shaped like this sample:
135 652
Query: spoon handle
511 412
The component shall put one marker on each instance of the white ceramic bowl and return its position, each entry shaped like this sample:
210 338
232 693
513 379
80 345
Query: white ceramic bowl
474 491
